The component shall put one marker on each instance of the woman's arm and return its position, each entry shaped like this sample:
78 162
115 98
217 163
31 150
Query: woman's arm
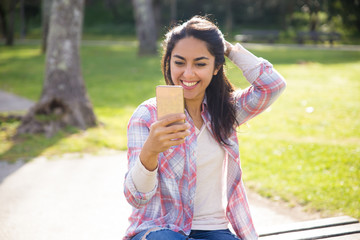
137 133
147 137
267 83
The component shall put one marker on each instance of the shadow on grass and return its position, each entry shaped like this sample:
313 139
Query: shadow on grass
25 147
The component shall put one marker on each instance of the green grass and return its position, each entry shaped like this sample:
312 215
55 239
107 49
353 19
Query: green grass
305 149
117 81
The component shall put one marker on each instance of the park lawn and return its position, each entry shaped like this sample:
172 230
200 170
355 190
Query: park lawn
305 149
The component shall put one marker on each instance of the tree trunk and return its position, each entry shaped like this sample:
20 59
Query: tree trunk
3 20
46 8
157 9
64 100
313 21
22 19
229 17
145 27
287 10
9 38
173 12
112 6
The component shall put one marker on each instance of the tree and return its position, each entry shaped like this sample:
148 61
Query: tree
349 10
22 19
228 17
7 12
145 26
112 5
3 20
158 14
46 8
173 11
313 9
285 12
63 100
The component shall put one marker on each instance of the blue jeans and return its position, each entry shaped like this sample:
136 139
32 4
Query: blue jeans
167 234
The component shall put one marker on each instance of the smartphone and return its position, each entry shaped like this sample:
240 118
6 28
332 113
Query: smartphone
169 100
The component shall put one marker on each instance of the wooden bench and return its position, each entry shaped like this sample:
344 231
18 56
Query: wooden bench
337 228
316 37
250 35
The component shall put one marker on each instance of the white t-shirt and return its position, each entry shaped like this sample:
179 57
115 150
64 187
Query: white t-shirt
209 202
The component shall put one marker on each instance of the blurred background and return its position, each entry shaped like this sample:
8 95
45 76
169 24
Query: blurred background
287 20
304 150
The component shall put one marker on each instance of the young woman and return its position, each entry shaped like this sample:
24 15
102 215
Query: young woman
184 180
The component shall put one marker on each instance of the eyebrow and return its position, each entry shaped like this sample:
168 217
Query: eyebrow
196 59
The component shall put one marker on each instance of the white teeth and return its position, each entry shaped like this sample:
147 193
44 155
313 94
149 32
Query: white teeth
189 84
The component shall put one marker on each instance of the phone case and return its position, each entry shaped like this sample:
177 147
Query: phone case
169 100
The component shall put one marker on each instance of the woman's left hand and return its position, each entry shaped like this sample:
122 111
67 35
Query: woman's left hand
228 48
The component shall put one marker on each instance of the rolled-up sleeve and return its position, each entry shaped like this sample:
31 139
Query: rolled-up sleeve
138 131
266 84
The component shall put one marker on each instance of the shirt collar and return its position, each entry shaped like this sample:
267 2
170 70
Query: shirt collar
204 104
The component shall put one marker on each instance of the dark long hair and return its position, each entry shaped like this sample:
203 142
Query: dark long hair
218 93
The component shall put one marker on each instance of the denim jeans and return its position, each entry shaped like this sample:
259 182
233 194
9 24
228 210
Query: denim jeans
167 234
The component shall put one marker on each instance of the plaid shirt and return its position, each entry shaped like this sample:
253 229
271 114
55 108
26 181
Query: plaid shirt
171 203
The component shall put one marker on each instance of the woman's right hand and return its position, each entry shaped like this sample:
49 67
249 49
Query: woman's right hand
163 135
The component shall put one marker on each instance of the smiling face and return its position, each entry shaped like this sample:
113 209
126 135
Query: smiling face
192 66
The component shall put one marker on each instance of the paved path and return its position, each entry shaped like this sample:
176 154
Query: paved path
12 103
64 198
76 197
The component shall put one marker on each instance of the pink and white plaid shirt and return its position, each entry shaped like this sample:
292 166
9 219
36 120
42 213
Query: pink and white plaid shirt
171 203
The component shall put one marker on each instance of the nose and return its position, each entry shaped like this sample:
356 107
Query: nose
188 72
